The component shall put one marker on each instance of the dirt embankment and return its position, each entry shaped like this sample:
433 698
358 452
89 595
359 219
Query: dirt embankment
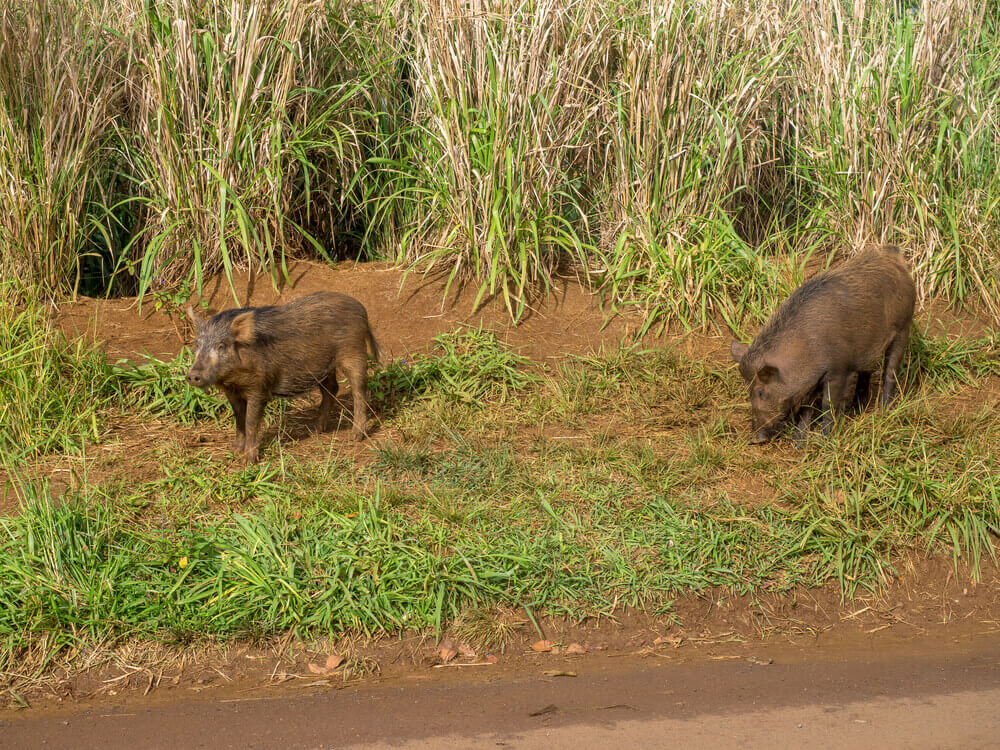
406 311
914 694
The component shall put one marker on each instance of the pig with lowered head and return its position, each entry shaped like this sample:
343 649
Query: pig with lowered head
841 325
255 354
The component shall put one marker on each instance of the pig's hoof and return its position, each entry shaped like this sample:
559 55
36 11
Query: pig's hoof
359 435
251 456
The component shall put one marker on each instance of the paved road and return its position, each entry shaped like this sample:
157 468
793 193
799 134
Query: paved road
923 697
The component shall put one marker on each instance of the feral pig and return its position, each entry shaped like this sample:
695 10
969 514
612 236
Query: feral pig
255 354
832 332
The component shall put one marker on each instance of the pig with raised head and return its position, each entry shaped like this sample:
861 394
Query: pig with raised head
840 326
255 354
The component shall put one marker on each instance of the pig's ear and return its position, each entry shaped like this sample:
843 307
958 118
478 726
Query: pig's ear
738 350
195 318
242 328
767 373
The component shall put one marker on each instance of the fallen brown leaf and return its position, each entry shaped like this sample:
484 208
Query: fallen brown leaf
491 659
333 661
575 649
542 647
673 640
447 654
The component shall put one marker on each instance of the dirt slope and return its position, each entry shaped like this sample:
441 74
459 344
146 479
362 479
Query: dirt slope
407 312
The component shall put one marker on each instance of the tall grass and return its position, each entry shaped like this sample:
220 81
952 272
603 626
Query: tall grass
694 154
685 154
51 392
893 110
60 91
505 102
242 126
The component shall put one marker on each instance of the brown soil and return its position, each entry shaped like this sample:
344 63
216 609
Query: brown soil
406 313
408 310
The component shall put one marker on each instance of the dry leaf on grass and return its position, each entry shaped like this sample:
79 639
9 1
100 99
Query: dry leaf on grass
333 662
446 651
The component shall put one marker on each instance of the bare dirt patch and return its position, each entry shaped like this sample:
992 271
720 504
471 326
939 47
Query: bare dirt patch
406 312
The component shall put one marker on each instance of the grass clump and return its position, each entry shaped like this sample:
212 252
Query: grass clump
56 396
950 361
468 367
158 389
52 393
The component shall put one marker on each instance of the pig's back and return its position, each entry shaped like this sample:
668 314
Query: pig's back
304 339
845 317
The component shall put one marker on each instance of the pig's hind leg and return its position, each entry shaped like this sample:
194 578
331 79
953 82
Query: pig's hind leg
893 356
356 370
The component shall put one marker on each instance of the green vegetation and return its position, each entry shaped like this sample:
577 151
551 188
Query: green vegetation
688 156
495 485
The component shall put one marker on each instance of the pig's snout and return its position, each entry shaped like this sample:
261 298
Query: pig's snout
195 378
763 435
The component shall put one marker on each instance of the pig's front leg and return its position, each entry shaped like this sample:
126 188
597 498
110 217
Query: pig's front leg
836 385
239 405
255 404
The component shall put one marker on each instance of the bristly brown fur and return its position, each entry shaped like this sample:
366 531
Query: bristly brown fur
834 328
256 354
